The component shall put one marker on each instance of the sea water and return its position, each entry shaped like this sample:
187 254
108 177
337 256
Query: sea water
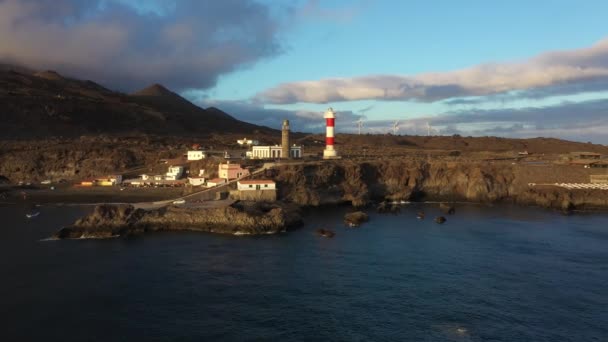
490 273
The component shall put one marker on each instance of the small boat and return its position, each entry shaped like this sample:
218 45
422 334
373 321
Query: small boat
32 215
420 215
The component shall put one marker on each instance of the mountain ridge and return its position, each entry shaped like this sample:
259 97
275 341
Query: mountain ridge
46 104
155 89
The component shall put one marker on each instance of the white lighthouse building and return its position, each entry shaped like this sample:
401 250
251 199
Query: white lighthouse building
330 120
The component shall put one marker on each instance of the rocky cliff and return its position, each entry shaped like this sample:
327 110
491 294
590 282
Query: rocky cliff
405 179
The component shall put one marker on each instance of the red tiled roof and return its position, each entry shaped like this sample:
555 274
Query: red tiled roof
216 180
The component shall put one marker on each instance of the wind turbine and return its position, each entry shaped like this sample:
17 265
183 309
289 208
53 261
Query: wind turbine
428 129
395 127
360 124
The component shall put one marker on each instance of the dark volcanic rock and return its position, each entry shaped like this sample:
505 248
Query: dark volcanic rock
355 218
325 233
385 181
105 221
109 221
447 208
106 215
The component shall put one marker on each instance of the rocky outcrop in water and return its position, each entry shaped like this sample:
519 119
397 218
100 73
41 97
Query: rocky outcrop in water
111 220
356 218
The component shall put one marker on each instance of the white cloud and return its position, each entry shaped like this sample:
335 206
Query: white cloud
552 69
301 120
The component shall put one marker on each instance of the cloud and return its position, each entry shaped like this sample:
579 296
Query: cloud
189 45
547 74
581 121
300 120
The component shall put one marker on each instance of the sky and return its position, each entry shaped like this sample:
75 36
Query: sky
508 68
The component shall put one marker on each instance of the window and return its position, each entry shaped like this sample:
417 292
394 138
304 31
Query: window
265 185
251 186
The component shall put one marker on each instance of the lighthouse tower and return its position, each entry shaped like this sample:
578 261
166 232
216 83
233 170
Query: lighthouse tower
330 120
285 140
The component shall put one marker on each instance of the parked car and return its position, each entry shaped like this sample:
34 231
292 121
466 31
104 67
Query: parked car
180 201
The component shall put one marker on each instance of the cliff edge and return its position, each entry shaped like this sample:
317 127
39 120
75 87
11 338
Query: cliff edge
360 183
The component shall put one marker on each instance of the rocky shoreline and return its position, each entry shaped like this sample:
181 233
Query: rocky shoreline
338 183
364 183
108 221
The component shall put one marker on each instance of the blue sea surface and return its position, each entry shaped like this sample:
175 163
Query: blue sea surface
490 273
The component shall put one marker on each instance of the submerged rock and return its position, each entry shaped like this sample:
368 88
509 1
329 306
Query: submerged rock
440 219
325 233
354 219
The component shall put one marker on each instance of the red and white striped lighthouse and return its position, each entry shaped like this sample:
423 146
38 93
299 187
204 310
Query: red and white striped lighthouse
330 120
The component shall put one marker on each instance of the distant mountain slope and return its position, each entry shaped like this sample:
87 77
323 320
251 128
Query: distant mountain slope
44 104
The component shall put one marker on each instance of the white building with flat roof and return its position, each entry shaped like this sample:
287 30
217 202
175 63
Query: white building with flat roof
255 190
196 181
174 173
256 184
273 152
197 155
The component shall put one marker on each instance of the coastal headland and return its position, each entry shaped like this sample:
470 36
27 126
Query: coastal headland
121 220
359 184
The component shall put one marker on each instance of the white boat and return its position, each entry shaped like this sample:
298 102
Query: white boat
32 215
